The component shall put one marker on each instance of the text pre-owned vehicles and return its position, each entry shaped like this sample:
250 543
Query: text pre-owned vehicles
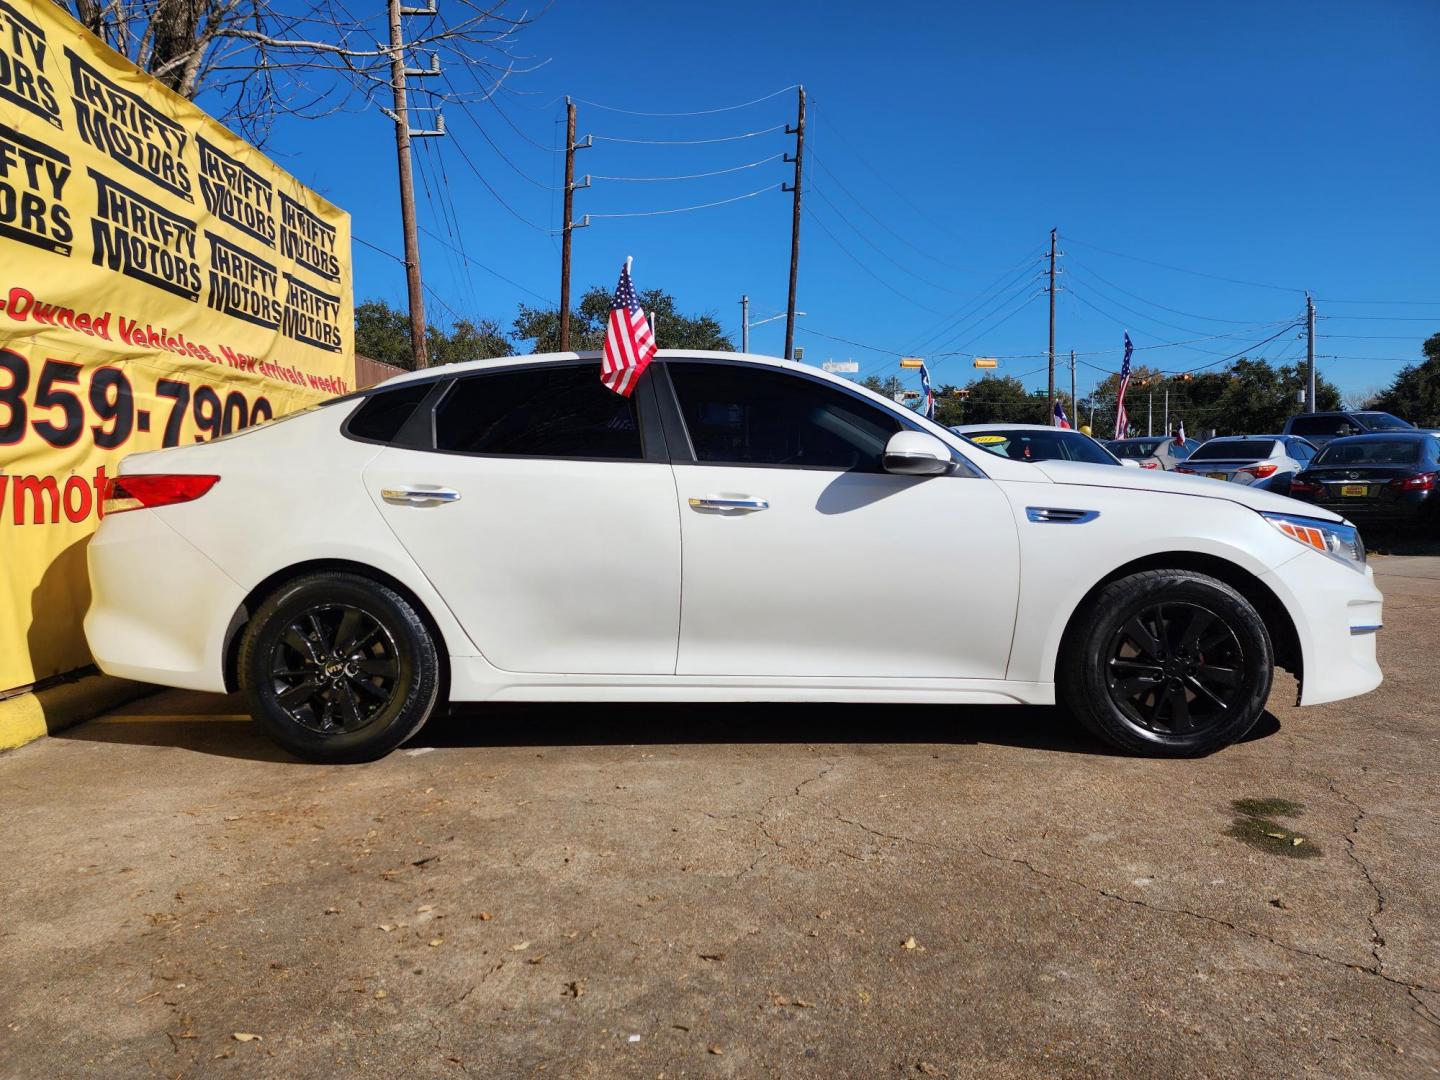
1153 452
510 530
1262 461
1388 479
1036 442
1320 427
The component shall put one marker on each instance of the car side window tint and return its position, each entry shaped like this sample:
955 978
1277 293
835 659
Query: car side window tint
381 416
749 416
551 411
1301 451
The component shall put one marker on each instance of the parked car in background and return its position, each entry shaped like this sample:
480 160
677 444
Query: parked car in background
1389 479
1037 442
1320 427
1262 461
512 530
1153 452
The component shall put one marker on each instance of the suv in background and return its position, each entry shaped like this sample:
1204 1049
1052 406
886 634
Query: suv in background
1320 427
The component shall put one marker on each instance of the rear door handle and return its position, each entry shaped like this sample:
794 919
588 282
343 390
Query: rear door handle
729 502
420 496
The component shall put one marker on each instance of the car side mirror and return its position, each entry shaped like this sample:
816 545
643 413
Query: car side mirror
1129 463
915 453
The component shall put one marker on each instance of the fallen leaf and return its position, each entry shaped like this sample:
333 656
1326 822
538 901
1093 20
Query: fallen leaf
864 997
715 1048
927 1069
434 942
908 943
380 995
387 927
423 908
484 916
801 1003
1297 841
521 947
540 959
1276 835
332 911
245 1036
717 956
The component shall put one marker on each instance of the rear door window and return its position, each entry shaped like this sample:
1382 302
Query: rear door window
551 411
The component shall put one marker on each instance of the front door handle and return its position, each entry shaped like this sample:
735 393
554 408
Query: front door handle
419 496
746 503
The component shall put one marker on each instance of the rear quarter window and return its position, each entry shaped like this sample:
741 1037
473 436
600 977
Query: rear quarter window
382 415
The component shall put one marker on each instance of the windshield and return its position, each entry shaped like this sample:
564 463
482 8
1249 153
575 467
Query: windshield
1383 421
1038 444
1135 448
1234 450
1371 452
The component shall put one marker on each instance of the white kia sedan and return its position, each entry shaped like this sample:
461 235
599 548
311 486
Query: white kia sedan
511 530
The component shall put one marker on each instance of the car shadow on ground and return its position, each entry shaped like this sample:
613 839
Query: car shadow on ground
223 731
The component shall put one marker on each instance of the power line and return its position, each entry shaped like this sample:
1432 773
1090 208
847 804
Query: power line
1180 269
687 209
687 142
697 112
495 194
690 176
476 262
1176 344
501 153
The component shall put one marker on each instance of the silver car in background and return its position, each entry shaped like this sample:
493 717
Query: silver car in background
1152 451
1268 462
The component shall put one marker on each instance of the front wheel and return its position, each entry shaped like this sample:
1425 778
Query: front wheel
338 668
1169 663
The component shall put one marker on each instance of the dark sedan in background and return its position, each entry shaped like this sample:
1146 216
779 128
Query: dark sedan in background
1388 480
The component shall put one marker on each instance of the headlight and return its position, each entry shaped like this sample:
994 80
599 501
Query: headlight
1339 541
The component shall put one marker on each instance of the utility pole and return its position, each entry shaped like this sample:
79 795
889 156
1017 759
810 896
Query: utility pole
1074 402
1309 353
568 225
799 159
1052 322
1150 416
744 324
1167 410
403 134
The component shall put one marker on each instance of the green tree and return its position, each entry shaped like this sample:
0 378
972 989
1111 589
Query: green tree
1003 399
1415 393
382 333
674 330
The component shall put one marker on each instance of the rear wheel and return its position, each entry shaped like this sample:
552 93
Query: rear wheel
1168 663
338 668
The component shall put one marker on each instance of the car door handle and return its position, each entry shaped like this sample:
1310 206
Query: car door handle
419 496
730 502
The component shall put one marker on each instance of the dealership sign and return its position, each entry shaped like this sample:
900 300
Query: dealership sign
161 283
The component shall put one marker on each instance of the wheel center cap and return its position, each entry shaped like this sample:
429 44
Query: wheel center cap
334 669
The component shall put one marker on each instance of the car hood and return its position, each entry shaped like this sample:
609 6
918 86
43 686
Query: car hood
1083 473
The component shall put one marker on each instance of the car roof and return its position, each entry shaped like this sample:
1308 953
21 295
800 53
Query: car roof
1384 436
452 370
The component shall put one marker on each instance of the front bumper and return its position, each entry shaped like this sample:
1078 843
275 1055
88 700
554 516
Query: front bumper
135 629
1337 614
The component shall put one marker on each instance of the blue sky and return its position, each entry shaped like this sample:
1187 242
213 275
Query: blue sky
1284 146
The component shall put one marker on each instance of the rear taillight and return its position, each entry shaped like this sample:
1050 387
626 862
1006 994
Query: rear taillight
1182 468
1301 486
1424 481
154 489
1260 472
1149 464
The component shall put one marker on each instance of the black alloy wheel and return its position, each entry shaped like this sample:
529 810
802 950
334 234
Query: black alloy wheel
1166 662
334 669
339 668
1176 669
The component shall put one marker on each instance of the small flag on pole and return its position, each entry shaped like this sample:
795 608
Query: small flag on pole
1122 419
1180 434
1059 419
928 408
629 341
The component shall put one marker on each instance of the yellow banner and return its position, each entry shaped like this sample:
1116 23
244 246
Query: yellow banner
161 283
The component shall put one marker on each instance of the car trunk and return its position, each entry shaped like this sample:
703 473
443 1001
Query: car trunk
1221 468
1358 487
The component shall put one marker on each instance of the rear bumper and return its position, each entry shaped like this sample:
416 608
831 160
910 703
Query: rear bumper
138 565
1336 612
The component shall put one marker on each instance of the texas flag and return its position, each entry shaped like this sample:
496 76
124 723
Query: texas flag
1059 419
1180 434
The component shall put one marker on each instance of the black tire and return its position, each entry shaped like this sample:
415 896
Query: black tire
338 668
1167 663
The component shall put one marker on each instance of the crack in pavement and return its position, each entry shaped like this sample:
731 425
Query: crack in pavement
1377 940
1418 1005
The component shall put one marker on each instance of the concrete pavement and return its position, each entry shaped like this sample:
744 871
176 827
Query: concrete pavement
734 892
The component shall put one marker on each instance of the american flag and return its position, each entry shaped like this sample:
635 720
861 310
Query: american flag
629 344
1122 418
1059 419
